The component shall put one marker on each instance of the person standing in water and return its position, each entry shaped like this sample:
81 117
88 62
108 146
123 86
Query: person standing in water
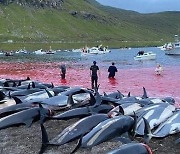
112 70
63 71
159 69
93 73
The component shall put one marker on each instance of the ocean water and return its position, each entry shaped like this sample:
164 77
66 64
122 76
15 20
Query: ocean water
132 75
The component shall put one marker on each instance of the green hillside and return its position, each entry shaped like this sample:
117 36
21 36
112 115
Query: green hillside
83 22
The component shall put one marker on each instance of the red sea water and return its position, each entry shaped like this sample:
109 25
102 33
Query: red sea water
128 79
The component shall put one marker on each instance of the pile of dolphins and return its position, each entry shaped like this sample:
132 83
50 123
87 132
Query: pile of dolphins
102 117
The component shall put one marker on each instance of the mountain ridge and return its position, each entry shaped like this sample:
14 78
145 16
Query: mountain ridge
83 21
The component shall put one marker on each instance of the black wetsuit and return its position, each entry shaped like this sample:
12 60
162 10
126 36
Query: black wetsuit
63 71
94 76
112 70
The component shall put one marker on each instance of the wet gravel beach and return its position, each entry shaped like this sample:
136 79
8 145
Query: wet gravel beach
21 140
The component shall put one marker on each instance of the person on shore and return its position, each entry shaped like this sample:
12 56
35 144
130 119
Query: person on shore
159 69
112 70
63 71
94 76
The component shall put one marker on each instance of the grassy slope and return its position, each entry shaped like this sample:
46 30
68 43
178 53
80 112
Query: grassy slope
111 25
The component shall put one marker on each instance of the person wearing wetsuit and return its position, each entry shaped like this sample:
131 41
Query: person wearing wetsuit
112 70
93 73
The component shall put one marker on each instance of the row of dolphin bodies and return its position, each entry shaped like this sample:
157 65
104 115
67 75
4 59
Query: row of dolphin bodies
102 117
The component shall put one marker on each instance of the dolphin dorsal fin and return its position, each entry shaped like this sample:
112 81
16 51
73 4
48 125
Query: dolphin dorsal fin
144 93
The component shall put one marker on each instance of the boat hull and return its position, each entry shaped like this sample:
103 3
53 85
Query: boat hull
175 51
146 56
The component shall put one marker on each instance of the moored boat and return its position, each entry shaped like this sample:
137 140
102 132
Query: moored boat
39 52
141 55
173 48
95 50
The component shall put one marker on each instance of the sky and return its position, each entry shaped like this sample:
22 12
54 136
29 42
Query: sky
144 6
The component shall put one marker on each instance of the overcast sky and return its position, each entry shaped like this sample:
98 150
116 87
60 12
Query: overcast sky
144 6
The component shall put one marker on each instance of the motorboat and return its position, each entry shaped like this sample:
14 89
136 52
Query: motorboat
95 50
50 51
24 51
141 55
8 53
39 52
173 48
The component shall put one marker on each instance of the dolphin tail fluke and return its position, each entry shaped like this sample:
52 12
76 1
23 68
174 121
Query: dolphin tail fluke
78 145
45 140
144 93
147 132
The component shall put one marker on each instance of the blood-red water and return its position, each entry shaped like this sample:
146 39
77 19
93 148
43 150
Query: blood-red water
127 80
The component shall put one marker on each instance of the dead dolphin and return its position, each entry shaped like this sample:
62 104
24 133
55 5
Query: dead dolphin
107 130
154 117
82 112
13 109
73 131
170 126
26 117
132 148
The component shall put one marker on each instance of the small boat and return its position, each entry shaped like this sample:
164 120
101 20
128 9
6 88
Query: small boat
95 50
8 53
50 51
141 55
173 48
39 52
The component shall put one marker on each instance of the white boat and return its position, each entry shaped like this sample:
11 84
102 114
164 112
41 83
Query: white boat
173 48
39 52
24 51
95 50
145 56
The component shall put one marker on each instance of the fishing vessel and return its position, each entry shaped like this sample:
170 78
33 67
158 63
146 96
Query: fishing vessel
173 48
